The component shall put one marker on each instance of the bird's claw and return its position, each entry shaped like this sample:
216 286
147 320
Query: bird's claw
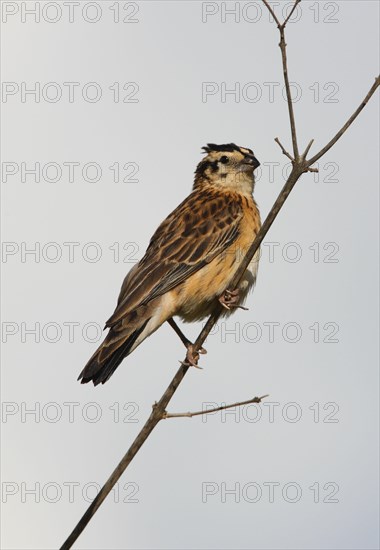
192 356
186 364
230 299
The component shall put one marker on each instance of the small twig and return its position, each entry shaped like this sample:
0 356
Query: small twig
304 155
216 409
281 28
291 13
288 92
284 151
272 13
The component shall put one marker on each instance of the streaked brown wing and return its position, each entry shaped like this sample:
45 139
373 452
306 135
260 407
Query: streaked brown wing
197 231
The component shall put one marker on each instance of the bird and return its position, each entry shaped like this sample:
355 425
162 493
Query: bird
190 261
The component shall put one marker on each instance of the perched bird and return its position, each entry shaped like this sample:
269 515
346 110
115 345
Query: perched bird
190 261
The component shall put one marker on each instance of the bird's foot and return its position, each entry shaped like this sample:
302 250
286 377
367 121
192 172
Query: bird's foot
192 356
230 299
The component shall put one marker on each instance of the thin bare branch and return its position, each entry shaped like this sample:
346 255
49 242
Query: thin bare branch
154 418
348 123
281 28
288 92
291 13
272 13
304 155
216 409
284 151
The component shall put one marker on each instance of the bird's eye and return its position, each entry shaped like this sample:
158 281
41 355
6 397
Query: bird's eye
224 159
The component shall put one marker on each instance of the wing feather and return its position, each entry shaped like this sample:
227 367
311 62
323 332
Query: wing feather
196 232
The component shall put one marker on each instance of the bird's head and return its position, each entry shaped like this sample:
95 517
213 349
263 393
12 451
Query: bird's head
228 166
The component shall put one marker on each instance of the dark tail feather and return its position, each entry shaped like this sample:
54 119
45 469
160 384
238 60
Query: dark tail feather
99 371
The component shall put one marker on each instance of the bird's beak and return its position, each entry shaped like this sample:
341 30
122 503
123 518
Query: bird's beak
250 160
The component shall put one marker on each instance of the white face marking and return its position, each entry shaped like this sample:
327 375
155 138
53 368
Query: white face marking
227 169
